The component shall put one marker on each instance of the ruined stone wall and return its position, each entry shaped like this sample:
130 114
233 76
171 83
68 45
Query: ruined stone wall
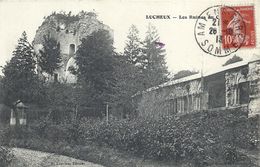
254 77
233 78
169 100
67 32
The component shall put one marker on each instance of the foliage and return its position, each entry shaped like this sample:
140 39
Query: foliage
68 18
49 59
129 73
4 114
184 73
142 66
154 60
232 60
95 59
128 79
20 80
1 89
192 138
133 48
230 154
66 101
6 156
60 100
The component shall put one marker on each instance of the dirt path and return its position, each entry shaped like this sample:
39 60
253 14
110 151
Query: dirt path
30 158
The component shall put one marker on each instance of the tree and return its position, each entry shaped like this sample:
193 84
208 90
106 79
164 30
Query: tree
134 62
184 73
154 64
133 49
232 60
20 80
50 58
1 89
95 60
62 100
128 83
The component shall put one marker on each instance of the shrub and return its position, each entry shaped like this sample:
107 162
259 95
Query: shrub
201 138
6 156
230 155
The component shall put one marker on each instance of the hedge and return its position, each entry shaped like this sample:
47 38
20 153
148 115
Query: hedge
201 138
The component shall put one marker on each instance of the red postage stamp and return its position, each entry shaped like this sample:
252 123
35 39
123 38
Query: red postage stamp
238 27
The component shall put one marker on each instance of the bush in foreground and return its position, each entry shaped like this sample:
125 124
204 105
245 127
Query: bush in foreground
201 138
6 156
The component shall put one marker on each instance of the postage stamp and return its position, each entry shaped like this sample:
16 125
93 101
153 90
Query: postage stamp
232 26
222 30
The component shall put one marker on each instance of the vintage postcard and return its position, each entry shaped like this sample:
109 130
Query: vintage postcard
128 83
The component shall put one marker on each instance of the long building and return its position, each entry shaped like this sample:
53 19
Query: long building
233 86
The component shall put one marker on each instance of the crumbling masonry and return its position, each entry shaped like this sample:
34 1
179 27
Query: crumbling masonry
68 31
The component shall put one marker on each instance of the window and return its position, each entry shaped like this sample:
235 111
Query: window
173 106
55 77
181 104
243 89
186 104
197 102
72 49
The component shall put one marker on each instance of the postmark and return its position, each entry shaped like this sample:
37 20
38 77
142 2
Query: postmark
231 27
208 31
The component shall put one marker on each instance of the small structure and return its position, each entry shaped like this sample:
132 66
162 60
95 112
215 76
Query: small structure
18 114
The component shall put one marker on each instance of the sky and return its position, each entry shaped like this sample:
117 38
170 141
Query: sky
182 51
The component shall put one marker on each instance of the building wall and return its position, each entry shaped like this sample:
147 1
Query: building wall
254 78
237 87
215 88
181 98
235 78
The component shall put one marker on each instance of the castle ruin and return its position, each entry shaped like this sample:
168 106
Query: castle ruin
68 30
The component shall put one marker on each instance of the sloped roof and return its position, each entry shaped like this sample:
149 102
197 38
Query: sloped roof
255 57
20 104
204 74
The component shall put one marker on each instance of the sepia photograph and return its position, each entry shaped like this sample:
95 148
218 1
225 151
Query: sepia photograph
128 83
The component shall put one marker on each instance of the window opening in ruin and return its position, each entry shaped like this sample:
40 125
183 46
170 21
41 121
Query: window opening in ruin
243 92
72 49
55 77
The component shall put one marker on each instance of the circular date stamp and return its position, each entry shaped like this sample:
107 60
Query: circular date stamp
220 31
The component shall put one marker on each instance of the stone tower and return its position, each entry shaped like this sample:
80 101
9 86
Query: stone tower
68 30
